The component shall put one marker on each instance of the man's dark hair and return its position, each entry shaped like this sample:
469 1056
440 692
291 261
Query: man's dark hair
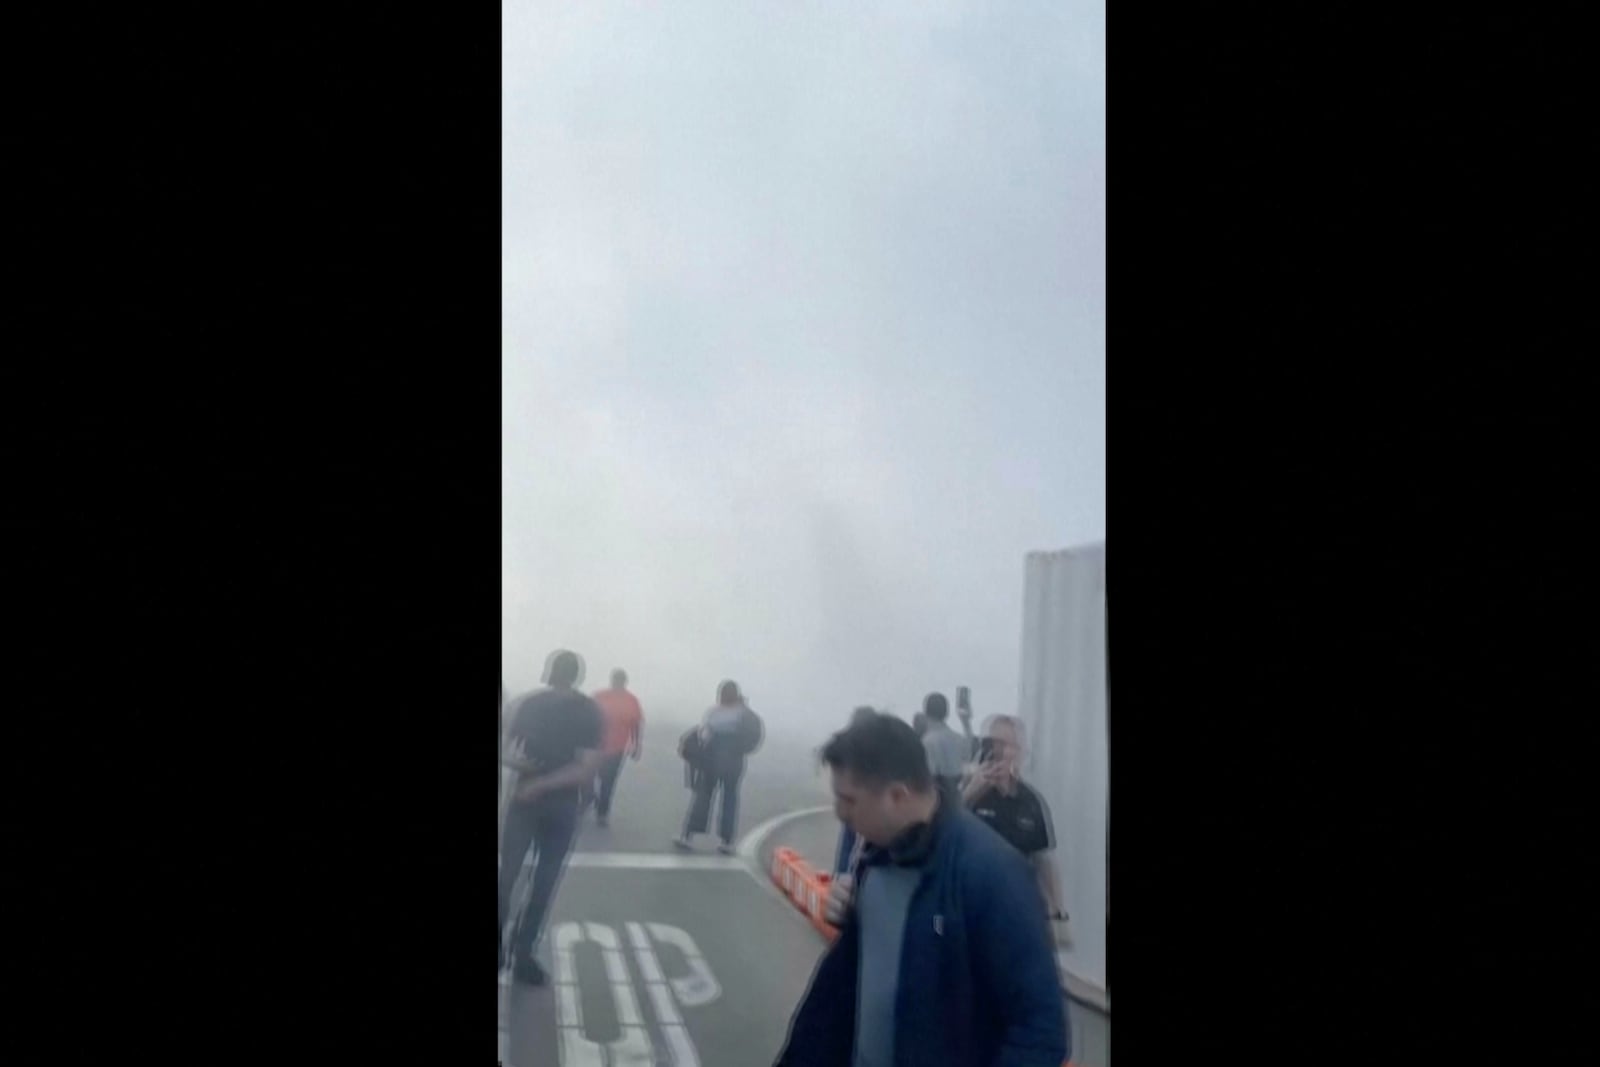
880 751
936 707
565 669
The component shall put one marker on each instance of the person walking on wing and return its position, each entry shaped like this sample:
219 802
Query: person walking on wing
624 725
728 735
943 956
555 748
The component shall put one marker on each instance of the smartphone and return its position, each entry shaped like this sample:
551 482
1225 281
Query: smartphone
963 698
986 750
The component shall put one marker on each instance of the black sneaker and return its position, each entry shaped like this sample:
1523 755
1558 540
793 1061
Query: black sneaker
528 972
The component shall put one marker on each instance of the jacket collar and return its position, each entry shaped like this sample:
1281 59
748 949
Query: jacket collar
913 845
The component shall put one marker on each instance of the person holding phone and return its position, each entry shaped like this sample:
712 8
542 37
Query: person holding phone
996 794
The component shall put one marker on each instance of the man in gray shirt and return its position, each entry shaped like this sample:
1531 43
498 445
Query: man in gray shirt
948 752
885 899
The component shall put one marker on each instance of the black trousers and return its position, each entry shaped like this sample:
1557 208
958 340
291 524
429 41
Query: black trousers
548 827
607 787
727 782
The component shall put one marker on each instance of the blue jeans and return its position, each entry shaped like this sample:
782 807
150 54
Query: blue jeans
699 818
548 828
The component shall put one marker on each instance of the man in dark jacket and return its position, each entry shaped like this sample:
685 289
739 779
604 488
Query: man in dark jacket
943 955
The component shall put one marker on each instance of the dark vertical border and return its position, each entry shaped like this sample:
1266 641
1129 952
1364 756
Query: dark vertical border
1342 494
254 533
251 442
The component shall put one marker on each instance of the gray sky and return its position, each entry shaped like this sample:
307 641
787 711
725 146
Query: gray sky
803 341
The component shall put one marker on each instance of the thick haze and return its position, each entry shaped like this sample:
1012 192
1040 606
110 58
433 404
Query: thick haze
804 342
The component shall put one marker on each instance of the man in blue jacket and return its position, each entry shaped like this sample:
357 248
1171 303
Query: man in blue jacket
943 955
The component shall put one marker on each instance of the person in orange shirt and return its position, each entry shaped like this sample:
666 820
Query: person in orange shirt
624 728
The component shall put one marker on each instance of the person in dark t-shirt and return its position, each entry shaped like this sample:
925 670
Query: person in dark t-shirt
554 746
1012 808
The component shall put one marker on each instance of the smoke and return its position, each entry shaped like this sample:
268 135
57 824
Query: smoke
803 344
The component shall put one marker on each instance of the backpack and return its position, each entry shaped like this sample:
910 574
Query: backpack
692 750
752 732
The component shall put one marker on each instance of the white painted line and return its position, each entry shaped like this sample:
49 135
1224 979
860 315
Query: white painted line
627 1005
645 953
668 1021
654 861
649 967
579 1051
610 951
616 968
699 987
750 850
571 1008
666 1007
655 982
683 1053
750 843
633 1049
567 935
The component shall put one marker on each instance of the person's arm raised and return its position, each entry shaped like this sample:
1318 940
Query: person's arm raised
979 783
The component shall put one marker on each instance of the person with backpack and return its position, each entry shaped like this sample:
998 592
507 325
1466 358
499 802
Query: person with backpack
715 754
